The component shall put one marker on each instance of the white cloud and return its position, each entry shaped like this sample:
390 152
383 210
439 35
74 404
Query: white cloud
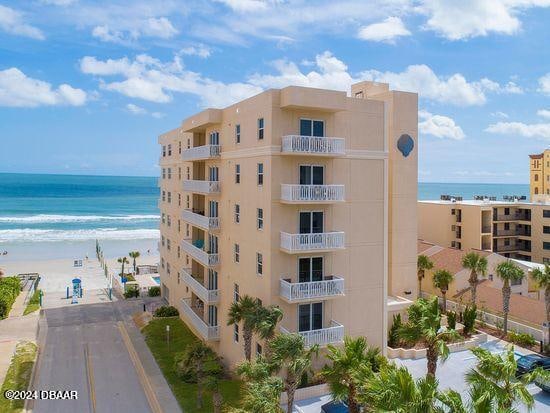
159 27
246 5
456 20
386 31
136 110
544 84
534 130
545 113
199 50
105 34
151 79
439 126
58 2
11 21
18 90
499 114
454 89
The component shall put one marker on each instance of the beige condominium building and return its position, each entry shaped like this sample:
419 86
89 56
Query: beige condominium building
303 198
539 174
511 228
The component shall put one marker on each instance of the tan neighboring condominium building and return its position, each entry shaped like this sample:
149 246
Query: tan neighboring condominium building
539 175
512 227
303 198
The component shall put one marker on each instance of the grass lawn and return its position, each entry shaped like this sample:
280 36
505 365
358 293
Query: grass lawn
34 303
18 376
180 338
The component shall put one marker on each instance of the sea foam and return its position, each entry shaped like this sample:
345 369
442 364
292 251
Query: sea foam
52 235
43 218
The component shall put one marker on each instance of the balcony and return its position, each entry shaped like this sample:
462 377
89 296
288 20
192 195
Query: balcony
201 152
297 292
486 229
323 241
205 258
330 335
202 187
518 216
318 194
199 220
206 295
313 145
208 333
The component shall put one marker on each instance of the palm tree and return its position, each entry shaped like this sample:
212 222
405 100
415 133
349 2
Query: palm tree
542 278
394 389
123 261
202 362
442 279
262 390
493 383
423 264
424 324
289 354
134 255
507 271
348 363
266 326
212 383
477 265
246 310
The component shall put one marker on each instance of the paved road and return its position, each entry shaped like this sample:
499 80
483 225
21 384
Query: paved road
84 351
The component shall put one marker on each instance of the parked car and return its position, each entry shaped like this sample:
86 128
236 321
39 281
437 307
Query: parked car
530 362
544 384
334 407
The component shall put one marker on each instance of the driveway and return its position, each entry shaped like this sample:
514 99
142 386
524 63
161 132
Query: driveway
85 350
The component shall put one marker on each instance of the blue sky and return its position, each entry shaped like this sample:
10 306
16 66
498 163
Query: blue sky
87 86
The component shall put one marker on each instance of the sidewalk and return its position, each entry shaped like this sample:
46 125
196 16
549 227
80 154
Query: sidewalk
20 303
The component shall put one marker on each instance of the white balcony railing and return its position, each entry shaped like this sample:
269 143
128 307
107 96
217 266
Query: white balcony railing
200 255
312 193
201 152
327 288
203 187
198 220
206 295
312 242
313 145
324 336
210 333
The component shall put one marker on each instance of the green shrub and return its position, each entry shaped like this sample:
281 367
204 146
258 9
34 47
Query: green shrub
154 291
451 320
9 290
522 339
166 311
131 293
469 316
393 334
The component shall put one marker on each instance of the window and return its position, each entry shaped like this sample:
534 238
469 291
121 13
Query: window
163 218
536 190
515 282
237 174
546 229
170 150
162 262
168 220
169 173
236 333
187 202
506 211
259 264
260 214
312 175
237 133
260 174
536 177
236 253
310 127
163 173
162 240
310 269
310 316
179 147
179 277
179 225
236 295
258 350
179 173
188 174
237 213
168 268
163 150
179 251
261 128
169 197
546 245
546 213
163 196
168 244
179 199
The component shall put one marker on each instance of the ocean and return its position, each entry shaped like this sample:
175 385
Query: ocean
60 216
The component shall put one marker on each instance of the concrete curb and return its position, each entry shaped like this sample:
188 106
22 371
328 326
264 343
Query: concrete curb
41 332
